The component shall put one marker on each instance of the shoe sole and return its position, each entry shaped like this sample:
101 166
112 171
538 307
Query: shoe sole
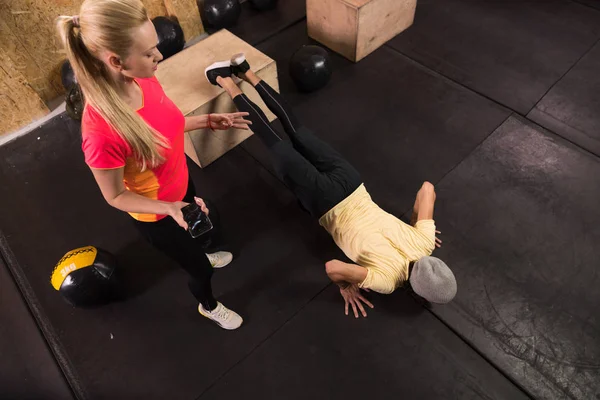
238 59
224 265
221 266
217 322
218 64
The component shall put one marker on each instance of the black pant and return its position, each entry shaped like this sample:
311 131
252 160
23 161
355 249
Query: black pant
317 174
167 236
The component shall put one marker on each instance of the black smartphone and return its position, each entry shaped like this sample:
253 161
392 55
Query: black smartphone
198 222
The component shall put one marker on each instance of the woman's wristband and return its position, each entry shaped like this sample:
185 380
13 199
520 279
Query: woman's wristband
209 124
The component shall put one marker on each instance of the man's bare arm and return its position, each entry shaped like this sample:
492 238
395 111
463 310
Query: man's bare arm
345 274
348 277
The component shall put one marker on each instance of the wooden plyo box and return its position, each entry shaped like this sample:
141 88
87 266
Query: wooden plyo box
356 28
182 77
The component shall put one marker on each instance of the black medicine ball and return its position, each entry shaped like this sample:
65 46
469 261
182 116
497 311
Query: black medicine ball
170 36
310 68
86 277
67 75
219 14
74 102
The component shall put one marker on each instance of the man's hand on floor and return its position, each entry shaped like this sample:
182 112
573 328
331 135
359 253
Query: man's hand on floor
438 241
353 297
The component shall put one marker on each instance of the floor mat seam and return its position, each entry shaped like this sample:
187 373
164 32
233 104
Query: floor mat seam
480 353
42 323
262 342
563 75
453 81
512 111
289 25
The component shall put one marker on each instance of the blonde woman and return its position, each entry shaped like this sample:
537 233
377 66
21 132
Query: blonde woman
133 136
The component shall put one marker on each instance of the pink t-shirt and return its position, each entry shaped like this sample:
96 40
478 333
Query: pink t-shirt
105 149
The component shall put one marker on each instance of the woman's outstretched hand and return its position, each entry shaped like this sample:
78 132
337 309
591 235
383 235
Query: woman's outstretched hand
228 121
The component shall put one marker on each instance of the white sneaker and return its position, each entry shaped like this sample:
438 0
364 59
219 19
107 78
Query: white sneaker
219 259
239 64
223 316
218 69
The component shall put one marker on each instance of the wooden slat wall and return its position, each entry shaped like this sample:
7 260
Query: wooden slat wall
29 52
155 7
190 21
31 48
19 103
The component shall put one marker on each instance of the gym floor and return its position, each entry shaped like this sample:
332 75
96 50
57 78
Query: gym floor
497 103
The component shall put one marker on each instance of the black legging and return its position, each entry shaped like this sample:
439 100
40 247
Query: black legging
317 174
167 236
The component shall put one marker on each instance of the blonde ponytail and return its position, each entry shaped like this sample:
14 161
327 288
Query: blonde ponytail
107 24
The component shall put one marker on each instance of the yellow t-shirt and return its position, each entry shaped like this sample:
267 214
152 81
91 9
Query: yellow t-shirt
377 240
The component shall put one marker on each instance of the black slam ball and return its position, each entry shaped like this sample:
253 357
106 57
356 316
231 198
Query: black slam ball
67 76
219 14
310 68
87 277
170 36
262 5
74 102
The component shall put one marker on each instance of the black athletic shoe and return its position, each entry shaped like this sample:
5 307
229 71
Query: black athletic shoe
239 64
220 68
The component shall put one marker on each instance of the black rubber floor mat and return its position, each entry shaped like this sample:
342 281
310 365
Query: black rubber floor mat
570 108
398 123
521 225
154 344
28 369
399 351
255 26
511 51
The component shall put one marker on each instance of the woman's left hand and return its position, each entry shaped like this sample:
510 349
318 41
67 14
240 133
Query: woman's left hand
230 120
201 204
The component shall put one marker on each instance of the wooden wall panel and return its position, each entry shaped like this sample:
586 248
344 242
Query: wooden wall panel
25 38
188 15
19 103
32 41
28 34
155 7
28 37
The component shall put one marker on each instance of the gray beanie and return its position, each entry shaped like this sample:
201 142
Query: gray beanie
433 280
